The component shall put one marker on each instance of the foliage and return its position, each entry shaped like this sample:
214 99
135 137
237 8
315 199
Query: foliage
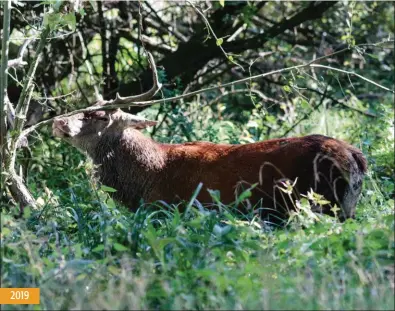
85 251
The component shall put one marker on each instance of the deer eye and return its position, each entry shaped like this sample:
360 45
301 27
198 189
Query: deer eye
103 119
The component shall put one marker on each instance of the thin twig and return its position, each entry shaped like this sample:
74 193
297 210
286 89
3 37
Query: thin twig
379 44
342 103
217 40
19 62
306 115
3 74
243 91
174 98
167 26
104 47
353 74
88 66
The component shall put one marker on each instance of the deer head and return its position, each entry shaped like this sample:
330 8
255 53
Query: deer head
83 130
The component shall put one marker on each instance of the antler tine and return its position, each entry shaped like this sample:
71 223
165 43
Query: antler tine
147 95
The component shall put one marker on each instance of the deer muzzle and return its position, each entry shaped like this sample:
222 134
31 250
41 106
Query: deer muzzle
60 128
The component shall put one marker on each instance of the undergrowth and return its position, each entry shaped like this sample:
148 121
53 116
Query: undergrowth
98 256
84 251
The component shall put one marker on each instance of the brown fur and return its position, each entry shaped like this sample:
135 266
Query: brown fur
142 169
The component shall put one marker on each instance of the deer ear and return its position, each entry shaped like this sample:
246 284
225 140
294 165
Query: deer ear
144 124
137 122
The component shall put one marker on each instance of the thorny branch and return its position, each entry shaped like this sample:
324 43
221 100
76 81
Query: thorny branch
15 183
19 62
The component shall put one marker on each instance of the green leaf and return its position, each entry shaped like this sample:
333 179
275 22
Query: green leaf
52 20
246 194
304 104
114 270
98 248
220 41
287 89
221 231
119 247
107 189
70 20
5 231
372 56
82 12
222 3
163 242
27 212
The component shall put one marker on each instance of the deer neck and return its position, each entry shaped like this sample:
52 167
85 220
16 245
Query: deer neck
144 152
130 147
131 163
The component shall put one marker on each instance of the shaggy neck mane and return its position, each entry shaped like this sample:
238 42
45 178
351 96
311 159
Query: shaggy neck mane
129 162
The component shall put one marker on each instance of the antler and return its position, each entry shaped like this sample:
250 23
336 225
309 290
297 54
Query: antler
145 96
137 98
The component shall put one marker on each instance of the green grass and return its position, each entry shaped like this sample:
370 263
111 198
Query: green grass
85 251
99 256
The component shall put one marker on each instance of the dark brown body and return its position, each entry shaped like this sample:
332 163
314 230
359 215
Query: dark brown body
140 168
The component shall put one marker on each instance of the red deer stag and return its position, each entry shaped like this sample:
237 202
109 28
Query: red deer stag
142 169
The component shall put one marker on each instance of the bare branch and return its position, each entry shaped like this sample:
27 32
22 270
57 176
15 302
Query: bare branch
353 74
248 92
380 44
16 62
164 24
18 190
217 40
3 73
104 47
113 105
88 65
19 62
131 100
306 115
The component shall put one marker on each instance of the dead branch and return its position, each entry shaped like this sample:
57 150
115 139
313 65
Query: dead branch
110 106
3 73
14 182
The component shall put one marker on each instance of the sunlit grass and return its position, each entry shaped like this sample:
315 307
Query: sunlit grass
100 256
85 251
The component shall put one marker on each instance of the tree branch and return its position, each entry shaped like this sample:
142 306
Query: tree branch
313 11
19 62
247 92
16 186
353 74
185 62
104 49
3 73
174 98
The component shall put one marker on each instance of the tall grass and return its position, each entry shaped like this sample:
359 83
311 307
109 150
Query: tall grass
86 252
99 256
